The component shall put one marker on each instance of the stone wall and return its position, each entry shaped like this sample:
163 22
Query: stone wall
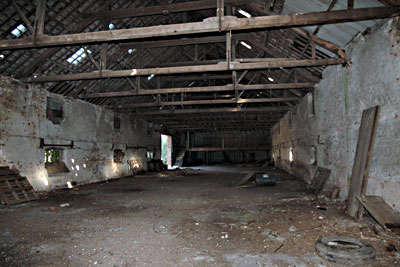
23 123
329 138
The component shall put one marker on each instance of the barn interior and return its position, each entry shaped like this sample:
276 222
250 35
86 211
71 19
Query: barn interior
199 133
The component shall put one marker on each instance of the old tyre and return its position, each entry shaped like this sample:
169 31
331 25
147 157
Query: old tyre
345 250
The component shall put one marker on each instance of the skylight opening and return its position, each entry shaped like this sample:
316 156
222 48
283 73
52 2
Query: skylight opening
17 32
78 56
130 51
150 77
244 13
245 45
111 26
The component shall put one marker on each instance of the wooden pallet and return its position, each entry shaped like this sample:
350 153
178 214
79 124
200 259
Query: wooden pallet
15 188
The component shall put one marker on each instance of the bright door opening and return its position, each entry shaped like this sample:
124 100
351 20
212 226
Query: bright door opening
166 150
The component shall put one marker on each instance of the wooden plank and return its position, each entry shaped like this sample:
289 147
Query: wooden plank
207 26
213 110
158 10
319 180
381 211
360 173
245 179
208 102
23 17
221 66
252 148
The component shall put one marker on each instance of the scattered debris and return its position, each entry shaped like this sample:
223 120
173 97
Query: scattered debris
271 235
238 215
292 228
224 235
64 205
52 208
321 207
276 250
335 192
156 165
323 195
345 250
391 248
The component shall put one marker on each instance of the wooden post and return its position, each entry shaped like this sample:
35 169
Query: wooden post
40 17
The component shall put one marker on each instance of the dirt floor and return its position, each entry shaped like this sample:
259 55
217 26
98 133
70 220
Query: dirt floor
182 218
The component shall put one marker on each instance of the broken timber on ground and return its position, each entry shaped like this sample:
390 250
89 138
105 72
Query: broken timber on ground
382 212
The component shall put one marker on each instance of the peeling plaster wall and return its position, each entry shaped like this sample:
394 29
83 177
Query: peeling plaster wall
91 128
372 78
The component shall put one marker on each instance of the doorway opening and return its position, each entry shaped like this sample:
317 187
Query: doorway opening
166 150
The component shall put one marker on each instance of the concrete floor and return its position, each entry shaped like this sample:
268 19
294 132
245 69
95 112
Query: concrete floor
181 218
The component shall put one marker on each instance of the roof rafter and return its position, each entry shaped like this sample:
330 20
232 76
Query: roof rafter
229 23
221 66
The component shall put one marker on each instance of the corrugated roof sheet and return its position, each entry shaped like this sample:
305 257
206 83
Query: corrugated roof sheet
340 34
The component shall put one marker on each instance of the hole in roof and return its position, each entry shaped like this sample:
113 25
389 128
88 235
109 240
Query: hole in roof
17 32
245 45
150 77
244 13
78 56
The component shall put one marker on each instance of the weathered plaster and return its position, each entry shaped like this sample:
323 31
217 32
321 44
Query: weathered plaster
23 122
372 78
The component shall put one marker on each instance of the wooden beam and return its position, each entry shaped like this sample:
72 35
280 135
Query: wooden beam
213 110
199 78
331 6
203 89
40 17
158 10
245 148
321 42
207 26
23 17
208 102
51 51
221 66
